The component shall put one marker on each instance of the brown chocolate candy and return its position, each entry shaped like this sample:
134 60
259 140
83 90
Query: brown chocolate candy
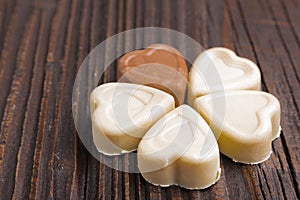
160 66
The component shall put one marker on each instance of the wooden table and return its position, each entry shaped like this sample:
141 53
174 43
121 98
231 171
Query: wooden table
42 45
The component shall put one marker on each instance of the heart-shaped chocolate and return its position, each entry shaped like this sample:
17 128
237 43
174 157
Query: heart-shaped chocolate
160 66
219 69
180 149
245 123
121 114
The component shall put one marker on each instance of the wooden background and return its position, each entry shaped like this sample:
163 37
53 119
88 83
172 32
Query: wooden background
42 45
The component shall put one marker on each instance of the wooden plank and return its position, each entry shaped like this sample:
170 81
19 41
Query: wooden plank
255 34
6 10
59 31
14 113
10 47
41 186
42 45
95 182
285 87
29 132
57 161
78 185
65 135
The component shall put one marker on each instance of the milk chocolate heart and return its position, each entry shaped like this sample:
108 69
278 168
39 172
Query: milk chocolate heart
248 123
180 149
219 69
121 114
159 66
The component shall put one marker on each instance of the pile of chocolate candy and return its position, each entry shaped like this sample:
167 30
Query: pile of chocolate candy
177 143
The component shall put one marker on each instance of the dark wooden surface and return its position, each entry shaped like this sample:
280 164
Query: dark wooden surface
42 45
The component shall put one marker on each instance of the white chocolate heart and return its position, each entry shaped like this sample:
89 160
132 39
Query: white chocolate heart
121 114
245 123
219 69
180 149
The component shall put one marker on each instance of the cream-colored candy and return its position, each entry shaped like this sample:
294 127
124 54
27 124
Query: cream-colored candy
245 123
180 149
121 114
219 69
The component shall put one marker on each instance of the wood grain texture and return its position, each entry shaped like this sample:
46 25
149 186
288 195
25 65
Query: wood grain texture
42 45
